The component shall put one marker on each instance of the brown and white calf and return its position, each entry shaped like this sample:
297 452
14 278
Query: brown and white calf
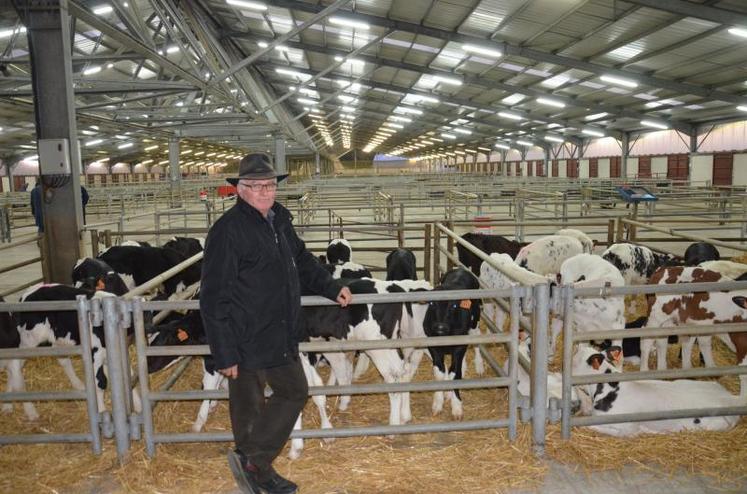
701 308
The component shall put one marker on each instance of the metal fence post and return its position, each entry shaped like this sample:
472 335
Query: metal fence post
116 378
142 367
436 254
450 246
565 424
427 253
92 406
541 319
401 227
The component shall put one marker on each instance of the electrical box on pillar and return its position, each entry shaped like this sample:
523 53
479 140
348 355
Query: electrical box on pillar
54 157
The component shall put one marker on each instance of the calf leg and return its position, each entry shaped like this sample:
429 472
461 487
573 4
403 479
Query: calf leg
211 381
296 446
478 363
455 373
361 365
661 353
67 366
439 374
687 351
647 344
393 370
313 378
704 343
342 369
17 383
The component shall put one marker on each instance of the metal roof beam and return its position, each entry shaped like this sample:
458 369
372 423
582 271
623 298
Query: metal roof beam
690 9
516 50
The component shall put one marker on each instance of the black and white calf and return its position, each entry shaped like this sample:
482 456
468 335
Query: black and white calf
545 255
451 318
636 263
400 265
339 251
95 274
186 246
61 328
488 244
347 270
136 265
615 398
700 252
9 338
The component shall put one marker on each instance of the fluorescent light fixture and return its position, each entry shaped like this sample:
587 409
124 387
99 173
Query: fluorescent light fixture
412 111
511 116
397 118
93 142
448 136
742 108
447 80
110 66
346 22
146 162
426 99
151 148
348 108
125 145
502 146
7 33
596 116
551 102
92 70
307 101
262 44
459 152
102 9
592 132
481 50
554 139
245 4
172 49
483 149
292 73
396 126
463 131
353 61
619 81
525 143
654 125
738 32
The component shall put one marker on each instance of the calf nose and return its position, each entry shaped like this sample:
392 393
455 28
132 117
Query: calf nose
441 329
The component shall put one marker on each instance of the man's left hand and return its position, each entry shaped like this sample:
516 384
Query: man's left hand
344 297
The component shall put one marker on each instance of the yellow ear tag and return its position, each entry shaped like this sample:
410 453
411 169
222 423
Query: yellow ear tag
465 304
182 335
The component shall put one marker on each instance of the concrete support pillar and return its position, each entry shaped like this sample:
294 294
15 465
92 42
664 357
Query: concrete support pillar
317 166
48 32
693 148
624 156
175 173
545 168
280 164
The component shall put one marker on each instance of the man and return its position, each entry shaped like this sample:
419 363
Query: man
252 273
36 204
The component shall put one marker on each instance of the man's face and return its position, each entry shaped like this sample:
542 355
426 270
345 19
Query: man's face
260 194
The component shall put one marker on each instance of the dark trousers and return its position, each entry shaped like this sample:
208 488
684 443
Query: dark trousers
261 426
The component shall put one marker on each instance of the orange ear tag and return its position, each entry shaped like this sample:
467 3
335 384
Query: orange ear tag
100 285
182 335
465 304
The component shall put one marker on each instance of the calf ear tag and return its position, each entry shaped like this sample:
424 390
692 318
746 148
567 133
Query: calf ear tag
100 285
465 304
182 335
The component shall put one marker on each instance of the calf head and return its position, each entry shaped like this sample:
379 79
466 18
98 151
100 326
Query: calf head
95 274
186 330
449 317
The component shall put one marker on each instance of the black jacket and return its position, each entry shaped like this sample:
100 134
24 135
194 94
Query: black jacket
250 295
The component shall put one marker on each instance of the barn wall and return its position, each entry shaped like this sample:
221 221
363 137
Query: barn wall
701 169
729 137
605 146
562 170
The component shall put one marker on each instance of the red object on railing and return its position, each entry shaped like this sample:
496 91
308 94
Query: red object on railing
226 191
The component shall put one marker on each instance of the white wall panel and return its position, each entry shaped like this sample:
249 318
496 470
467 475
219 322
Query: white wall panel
659 166
603 167
632 167
701 169
562 168
740 169
604 146
583 169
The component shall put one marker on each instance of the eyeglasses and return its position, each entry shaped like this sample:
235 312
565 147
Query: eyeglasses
271 187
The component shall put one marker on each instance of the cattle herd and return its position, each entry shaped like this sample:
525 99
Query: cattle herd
566 257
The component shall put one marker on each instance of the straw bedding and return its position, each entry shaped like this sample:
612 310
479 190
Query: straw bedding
481 461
